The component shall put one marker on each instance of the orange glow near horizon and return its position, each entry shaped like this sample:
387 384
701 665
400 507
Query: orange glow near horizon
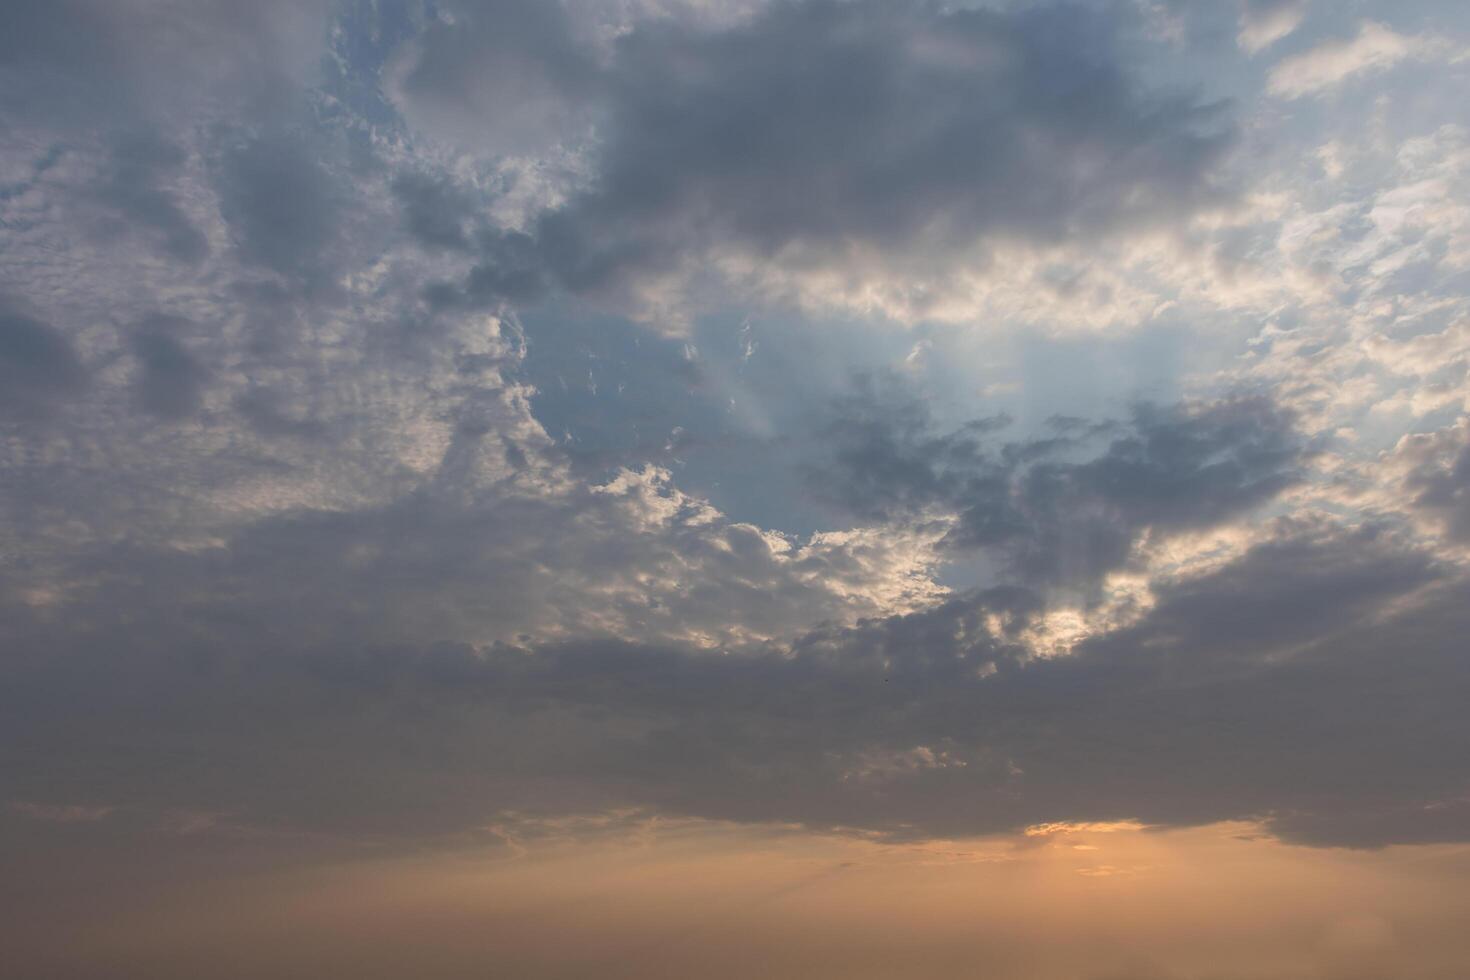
630 897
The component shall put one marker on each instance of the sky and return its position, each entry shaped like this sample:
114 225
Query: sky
735 488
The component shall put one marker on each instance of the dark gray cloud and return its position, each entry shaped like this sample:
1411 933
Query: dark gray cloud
283 206
826 132
509 270
1177 469
171 379
39 369
899 127
434 210
1062 512
1280 687
135 185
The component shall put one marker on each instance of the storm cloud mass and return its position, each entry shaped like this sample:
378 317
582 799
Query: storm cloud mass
905 420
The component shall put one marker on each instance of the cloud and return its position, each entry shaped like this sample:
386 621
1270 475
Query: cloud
434 210
543 556
1436 476
135 186
683 152
1270 689
974 126
1264 22
61 813
1376 48
509 270
371 587
511 75
1059 520
90 63
39 369
171 380
282 205
416 482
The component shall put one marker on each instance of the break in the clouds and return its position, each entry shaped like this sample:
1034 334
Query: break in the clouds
912 419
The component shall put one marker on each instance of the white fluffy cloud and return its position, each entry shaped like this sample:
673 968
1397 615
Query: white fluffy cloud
1376 48
1264 22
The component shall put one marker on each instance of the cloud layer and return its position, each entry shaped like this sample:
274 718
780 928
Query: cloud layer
920 420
